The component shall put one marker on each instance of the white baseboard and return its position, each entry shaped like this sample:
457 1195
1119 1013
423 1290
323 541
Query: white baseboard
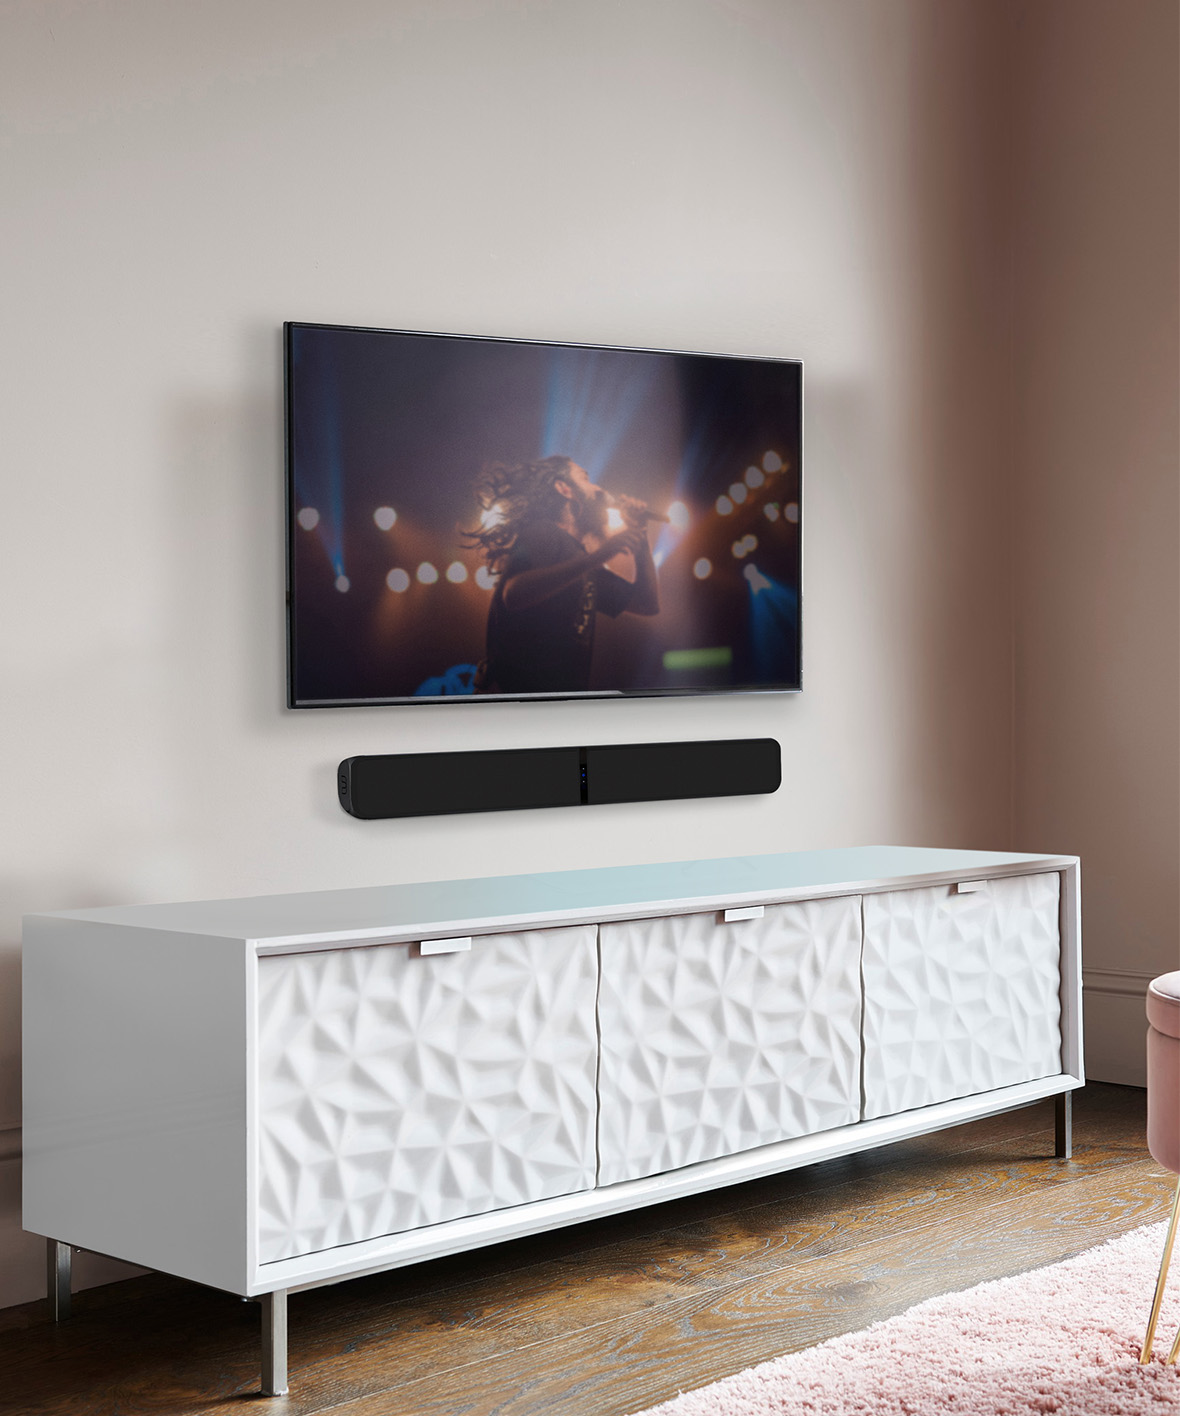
10 1141
1115 1025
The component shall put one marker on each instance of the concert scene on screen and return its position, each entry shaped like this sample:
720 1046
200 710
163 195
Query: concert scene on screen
478 517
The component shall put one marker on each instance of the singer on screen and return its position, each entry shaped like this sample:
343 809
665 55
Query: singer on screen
545 532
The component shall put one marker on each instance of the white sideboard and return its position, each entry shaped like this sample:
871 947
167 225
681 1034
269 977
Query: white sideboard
273 1093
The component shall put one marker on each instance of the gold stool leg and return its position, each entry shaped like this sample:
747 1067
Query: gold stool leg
1145 1355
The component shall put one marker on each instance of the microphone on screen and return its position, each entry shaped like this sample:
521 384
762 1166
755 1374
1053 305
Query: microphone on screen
637 511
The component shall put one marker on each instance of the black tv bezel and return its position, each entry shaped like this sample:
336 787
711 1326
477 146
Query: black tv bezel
740 691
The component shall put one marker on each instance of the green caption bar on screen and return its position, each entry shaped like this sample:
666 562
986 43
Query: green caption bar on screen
698 658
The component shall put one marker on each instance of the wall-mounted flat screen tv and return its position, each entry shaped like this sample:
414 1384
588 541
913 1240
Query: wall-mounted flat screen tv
503 519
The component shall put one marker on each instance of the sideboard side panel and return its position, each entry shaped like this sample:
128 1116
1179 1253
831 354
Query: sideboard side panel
1072 1042
135 1095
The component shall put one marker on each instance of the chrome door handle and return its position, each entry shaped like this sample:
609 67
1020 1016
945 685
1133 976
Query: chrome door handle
444 946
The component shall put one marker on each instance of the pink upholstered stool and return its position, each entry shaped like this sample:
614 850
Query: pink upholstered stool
1163 1117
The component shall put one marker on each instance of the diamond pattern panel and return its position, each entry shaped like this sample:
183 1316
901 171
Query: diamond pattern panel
397 1091
962 992
720 1037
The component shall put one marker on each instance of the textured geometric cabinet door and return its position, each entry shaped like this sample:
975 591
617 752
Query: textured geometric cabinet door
398 1089
962 990
718 1037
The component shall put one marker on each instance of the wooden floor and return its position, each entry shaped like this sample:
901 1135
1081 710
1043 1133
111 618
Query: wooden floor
613 1316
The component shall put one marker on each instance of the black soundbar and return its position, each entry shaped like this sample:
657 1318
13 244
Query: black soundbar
445 783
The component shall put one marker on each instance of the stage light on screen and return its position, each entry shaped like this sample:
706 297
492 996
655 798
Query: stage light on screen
614 520
343 584
491 516
792 512
385 517
724 506
771 511
703 568
678 516
485 579
772 462
456 572
398 581
739 549
658 557
427 575
308 518
738 493
754 477
757 580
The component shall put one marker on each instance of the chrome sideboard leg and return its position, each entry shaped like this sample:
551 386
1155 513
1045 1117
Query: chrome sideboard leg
274 1343
58 1262
1064 1120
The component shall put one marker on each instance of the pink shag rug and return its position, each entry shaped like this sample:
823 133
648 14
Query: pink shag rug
1063 1340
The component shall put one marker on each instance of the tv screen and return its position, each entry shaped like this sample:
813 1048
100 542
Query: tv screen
502 519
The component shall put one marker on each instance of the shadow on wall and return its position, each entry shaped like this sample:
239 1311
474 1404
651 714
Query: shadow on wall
227 573
224 695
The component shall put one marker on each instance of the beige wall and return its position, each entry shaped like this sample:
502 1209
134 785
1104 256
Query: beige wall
796 177
1096 492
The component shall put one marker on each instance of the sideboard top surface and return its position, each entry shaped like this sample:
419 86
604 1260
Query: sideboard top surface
442 906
